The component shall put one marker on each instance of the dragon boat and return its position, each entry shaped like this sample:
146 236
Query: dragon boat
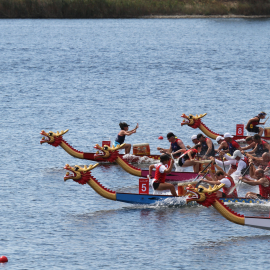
56 139
196 122
207 197
111 154
83 176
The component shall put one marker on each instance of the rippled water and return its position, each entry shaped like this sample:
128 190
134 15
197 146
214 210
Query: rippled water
86 76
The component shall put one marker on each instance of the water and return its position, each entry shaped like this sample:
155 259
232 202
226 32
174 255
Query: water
86 76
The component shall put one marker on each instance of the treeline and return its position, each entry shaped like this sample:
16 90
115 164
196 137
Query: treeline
128 8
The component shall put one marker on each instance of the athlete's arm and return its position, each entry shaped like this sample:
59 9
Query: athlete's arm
250 146
209 144
170 167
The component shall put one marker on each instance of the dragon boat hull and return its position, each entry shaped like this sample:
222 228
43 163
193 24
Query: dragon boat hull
151 198
195 122
131 158
173 177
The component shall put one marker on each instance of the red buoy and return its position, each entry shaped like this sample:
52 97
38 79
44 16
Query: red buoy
3 259
160 138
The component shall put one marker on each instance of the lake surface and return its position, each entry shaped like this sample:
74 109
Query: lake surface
87 76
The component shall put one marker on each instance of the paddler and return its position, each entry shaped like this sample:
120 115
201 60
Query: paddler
223 146
262 162
220 177
194 140
162 169
122 134
250 143
187 159
252 124
232 144
263 181
261 146
177 146
208 148
238 162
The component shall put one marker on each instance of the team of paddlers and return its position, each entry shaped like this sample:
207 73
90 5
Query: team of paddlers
256 162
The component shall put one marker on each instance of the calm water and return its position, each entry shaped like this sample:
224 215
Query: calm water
86 76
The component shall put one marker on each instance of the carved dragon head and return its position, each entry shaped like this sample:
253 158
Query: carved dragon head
79 174
52 138
107 152
203 195
193 121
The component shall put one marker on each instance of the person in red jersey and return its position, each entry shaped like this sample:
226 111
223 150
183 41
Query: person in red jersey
262 180
252 124
162 169
220 177
188 158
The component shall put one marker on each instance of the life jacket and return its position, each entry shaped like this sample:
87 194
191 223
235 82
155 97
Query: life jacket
254 123
265 191
120 139
236 165
205 148
185 156
227 190
261 148
175 147
231 148
160 177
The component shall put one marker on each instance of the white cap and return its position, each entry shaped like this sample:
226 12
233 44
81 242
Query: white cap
237 153
193 137
227 135
218 138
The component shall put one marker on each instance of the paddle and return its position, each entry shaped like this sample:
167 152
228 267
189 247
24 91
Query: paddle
201 179
239 181
202 171
223 165
175 163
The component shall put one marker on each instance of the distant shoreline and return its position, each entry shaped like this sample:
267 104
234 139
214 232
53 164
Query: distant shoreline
203 16
127 9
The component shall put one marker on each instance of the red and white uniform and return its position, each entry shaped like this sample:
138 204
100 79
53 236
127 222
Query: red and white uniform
229 185
238 165
160 175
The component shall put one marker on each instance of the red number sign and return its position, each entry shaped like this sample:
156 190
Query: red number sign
239 129
143 186
106 143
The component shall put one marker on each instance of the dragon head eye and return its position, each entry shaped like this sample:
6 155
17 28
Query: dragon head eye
106 148
76 168
200 189
50 134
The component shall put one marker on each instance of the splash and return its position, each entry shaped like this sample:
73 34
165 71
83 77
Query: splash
140 160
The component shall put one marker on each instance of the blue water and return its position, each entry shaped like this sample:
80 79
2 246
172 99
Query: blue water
86 76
